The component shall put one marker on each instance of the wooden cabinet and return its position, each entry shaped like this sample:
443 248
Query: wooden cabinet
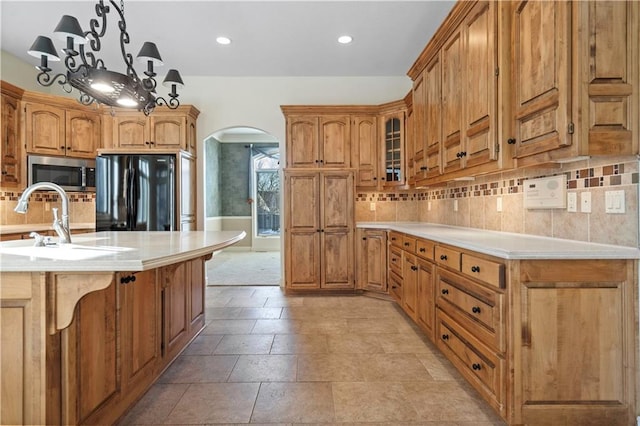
365 156
452 92
163 129
372 260
575 342
10 145
316 140
575 80
393 155
425 304
140 327
432 118
52 130
319 230
409 284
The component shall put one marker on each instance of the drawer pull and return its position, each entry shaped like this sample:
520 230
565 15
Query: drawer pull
475 309
414 268
364 238
422 250
475 269
443 257
445 291
445 337
476 367
393 238
128 279
407 244
393 286
393 259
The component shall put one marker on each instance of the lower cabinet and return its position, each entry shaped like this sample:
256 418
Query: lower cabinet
120 340
372 260
425 305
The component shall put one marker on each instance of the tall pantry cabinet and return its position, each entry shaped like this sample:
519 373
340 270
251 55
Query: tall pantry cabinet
319 200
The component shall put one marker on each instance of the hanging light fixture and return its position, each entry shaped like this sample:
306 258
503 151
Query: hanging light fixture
89 75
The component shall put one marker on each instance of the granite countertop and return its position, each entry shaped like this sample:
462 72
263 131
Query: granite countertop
507 245
39 227
114 251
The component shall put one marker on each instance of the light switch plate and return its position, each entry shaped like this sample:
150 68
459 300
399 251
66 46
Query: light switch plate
428 206
572 202
614 202
585 202
455 205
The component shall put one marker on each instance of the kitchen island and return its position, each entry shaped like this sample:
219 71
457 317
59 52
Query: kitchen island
86 328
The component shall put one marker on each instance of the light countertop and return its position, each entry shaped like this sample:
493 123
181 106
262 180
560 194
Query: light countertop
114 251
507 245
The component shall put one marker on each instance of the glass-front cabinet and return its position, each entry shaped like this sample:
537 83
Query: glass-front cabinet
393 143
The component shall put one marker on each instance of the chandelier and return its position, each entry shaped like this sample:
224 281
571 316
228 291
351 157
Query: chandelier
88 74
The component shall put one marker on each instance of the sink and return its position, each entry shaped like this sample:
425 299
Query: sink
64 252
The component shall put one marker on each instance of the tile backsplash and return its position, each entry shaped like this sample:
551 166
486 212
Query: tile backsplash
82 207
477 203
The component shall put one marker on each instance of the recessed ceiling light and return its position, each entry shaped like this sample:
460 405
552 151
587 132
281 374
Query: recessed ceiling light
345 39
223 40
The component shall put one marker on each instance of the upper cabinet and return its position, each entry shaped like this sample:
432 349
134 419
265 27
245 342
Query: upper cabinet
163 129
10 146
575 79
52 130
393 140
364 145
318 140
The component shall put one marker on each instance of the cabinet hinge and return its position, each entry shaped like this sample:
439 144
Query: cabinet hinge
497 71
571 128
497 148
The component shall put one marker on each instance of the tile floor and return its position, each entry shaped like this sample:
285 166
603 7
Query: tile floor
266 358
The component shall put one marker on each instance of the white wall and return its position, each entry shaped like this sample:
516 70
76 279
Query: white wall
21 74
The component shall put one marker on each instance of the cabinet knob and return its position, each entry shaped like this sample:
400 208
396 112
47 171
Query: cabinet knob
406 244
423 168
444 291
364 238
62 147
463 154
511 141
128 279
375 178
146 143
414 268
443 257
475 269
475 309
393 259
476 367
422 250
445 337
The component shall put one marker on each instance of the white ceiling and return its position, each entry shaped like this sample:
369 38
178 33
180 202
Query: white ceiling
270 38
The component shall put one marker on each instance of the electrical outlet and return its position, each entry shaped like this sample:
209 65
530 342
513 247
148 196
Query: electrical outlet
572 202
47 207
372 207
585 202
428 206
499 204
455 205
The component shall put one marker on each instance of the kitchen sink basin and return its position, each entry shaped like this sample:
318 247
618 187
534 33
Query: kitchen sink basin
64 252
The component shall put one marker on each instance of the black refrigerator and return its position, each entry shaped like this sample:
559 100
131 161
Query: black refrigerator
136 192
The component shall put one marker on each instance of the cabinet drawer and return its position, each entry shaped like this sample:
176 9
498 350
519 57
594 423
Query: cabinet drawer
424 249
477 308
448 257
487 271
395 260
483 368
409 243
395 287
395 239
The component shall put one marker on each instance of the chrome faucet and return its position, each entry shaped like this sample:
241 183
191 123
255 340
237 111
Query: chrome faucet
61 226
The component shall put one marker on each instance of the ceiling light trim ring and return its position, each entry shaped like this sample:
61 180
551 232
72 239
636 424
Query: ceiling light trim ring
84 68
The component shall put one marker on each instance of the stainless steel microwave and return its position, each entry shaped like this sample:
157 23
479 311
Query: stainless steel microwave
72 174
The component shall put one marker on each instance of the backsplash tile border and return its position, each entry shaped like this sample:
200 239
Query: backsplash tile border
45 196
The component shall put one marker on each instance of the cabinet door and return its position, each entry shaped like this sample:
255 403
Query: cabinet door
409 284
373 261
393 161
131 131
141 315
302 141
10 145
83 130
45 130
335 140
452 81
302 230
168 132
364 142
433 117
419 124
176 300
425 305
480 101
541 76
192 136
90 351
196 305
337 230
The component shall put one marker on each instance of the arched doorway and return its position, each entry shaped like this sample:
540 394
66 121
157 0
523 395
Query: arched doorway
242 185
